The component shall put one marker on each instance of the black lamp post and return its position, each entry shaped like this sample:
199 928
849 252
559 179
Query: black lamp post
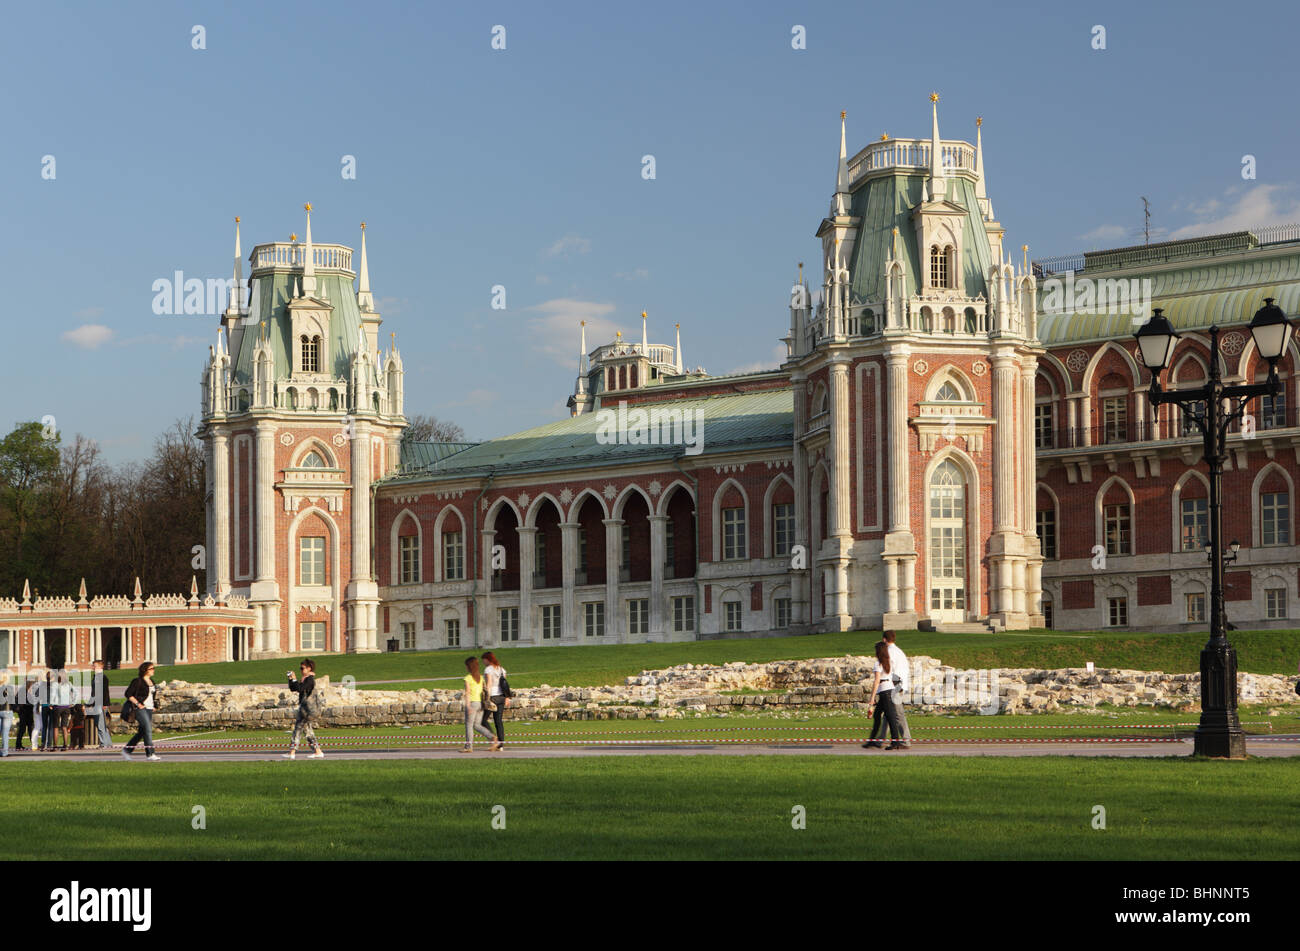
1219 733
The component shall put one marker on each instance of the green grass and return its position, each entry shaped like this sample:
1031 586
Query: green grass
592 665
655 808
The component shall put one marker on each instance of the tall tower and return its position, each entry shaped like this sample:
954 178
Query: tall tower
914 400
301 414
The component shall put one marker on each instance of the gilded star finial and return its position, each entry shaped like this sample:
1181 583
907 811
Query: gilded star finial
307 208
934 97
843 114
293 237
643 315
236 219
363 226
884 137
979 121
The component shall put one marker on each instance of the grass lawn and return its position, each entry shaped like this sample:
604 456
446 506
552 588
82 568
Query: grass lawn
592 665
656 808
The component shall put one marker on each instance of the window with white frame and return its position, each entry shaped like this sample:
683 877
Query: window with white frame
782 529
1044 435
311 561
1272 411
451 628
1045 522
1195 522
453 556
638 616
408 635
781 613
409 553
1194 412
1118 528
508 624
733 534
684 614
311 635
1275 603
1118 612
1196 607
1114 414
551 622
1275 518
732 615
594 618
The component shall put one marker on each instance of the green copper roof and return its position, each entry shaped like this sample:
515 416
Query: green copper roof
269 295
417 455
886 202
751 420
1208 293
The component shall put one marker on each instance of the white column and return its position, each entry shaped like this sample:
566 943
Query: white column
896 444
527 565
839 494
800 609
487 628
658 550
570 625
613 549
265 591
219 546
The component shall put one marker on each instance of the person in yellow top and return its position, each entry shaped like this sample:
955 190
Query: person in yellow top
474 706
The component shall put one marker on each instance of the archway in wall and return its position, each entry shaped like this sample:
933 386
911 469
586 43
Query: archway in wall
946 556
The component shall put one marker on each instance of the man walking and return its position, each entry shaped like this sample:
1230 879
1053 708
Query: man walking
902 683
99 703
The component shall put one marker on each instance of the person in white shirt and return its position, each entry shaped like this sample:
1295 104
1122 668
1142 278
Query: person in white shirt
495 690
902 677
882 699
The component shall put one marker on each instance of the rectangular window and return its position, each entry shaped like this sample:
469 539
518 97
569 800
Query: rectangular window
1196 607
684 614
733 534
594 618
1190 415
1275 518
311 561
781 610
1195 526
453 556
1275 603
508 624
782 529
550 622
1046 519
311 635
408 635
1272 412
409 551
1043 434
452 626
1114 413
1118 612
732 615
638 616
1047 612
1118 528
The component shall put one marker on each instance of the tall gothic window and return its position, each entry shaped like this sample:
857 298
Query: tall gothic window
310 354
938 267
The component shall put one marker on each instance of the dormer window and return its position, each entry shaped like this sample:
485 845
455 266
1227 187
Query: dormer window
943 265
310 354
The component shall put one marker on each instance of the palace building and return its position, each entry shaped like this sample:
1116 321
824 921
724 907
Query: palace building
957 440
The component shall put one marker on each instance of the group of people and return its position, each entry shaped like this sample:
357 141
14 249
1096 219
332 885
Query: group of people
55 710
891 683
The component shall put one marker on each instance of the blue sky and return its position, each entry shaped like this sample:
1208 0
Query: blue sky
522 168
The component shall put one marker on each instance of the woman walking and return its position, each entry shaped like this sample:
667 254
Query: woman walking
307 708
882 697
6 711
140 694
494 676
474 685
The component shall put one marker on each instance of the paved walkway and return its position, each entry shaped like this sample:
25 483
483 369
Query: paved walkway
1270 746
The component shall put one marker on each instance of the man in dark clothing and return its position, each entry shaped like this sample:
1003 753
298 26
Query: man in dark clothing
307 705
26 714
99 704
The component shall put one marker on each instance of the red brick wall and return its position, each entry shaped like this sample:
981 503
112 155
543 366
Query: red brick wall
1154 590
1076 595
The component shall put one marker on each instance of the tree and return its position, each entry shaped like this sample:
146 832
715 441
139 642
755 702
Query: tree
422 428
29 462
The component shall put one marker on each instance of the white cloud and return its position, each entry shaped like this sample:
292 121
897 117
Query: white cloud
1243 207
87 336
556 332
569 244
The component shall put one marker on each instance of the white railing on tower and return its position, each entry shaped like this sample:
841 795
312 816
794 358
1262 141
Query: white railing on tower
911 153
335 257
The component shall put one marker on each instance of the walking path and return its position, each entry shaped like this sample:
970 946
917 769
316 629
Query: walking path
1287 745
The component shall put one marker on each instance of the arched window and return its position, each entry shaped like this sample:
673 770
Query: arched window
947 542
949 266
938 266
310 354
312 461
948 394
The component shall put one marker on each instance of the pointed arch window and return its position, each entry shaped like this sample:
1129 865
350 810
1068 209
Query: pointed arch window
312 461
310 353
938 267
948 394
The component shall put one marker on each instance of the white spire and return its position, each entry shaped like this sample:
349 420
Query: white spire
981 192
645 341
236 292
308 265
938 183
365 301
842 173
678 348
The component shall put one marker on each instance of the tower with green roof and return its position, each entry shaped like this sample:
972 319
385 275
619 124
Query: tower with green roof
301 412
